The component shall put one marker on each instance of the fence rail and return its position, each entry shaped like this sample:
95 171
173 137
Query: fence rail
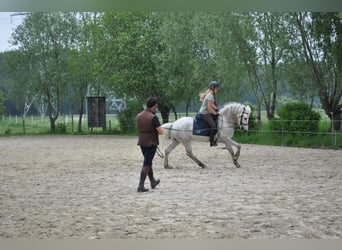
16 125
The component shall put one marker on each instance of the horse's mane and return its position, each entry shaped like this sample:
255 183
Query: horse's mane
231 106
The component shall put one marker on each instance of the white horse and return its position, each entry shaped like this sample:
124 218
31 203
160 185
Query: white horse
181 131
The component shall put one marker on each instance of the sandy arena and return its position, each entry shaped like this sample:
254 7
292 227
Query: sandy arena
84 187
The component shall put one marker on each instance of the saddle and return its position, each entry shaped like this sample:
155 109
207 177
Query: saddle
200 126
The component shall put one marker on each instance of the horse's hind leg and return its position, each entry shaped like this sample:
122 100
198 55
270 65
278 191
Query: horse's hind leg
188 149
168 150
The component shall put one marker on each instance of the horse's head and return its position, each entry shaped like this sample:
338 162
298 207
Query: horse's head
244 118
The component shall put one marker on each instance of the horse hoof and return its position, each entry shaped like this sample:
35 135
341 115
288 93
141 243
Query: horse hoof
202 166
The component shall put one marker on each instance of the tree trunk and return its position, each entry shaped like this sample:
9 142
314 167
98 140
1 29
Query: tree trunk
175 113
50 111
79 127
80 116
187 108
269 114
165 117
53 124
335 118
258 116
24 127
165 111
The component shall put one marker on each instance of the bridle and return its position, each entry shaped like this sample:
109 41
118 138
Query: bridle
242 116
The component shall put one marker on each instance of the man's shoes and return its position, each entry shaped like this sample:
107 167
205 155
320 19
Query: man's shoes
155 183
142 189
213 144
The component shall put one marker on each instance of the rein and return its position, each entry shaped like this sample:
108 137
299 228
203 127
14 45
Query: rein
159 153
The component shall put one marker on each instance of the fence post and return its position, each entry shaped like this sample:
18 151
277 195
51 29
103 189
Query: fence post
282 131
72 122
333 131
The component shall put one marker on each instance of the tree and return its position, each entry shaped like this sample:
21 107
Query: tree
82 58
198 49
184 60
321 38
226 65
261 42
2 83
131 49
298 79
19 81
272 45
174 67
1 103
43 40
244 35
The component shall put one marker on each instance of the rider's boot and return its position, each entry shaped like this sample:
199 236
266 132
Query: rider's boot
154 182
213 142
143 174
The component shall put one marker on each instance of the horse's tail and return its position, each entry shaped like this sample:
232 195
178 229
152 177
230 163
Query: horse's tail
163 142
167 127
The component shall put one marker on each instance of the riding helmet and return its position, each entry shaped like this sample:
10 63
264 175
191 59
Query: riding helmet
213 84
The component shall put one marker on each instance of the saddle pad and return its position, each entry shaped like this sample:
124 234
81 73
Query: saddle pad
200 127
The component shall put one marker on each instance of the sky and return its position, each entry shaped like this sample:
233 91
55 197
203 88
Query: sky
8 22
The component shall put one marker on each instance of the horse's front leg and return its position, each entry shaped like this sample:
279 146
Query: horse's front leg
235 156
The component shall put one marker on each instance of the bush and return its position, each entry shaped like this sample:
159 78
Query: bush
8 131
61 128
296 117
126 117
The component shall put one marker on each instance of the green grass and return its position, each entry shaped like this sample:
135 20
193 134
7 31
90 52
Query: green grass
34 125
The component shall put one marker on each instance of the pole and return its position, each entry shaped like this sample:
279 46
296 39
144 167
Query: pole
72 118
333 131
